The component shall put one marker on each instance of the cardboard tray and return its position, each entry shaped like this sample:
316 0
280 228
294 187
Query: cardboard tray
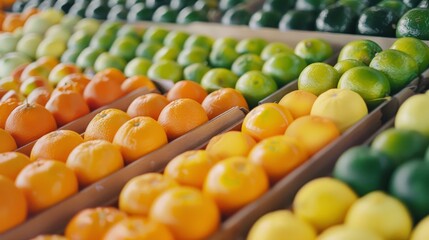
106 191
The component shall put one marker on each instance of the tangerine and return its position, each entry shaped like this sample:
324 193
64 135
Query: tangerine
11 163
105 125
149 105
222 100
67 106
55 145
13 207
187 89
136 82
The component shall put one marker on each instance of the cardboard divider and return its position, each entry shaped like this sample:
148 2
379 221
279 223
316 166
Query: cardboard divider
106 191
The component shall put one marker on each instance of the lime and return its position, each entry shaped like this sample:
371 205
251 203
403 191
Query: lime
317 78
140 12
323 202
117 13
370 83
298 20
176 39
246 63
263 18
130 31
357 6
314 50
281 6
88 56
166 53
411 3
421 231
165 14
396 6
79 40
227 4
347 64
281 224
155 34
342 232
110 27
107 60
202 41
223 57
124 47
192 55
416 48
102 40
317 5
148 50
336 18
423 4
382 214
398 66
284 67
190 14
255 86
364 169
401 145
70 56
218 78
226 41
414 24
236 16
165 70
273 48
137 66
251 45
195 72
413 114
361 50
378 21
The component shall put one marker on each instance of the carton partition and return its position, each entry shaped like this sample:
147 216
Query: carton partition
106 191
79 125
164 85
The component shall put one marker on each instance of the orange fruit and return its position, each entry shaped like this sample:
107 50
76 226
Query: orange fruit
11 22
45 183
48 62
181 116
298 102
138 194
187 212
22 124
7 141
266 120
105 125
6 108
249 182
67 106
230 144
138 228
278 156
2 15
49 237
222 100
187 89
13 207
136 82
93 223
16 74
12 94
149 105
11 163
190 168
313 132
39 95
139 136
110 74
79 80
94 160
102 91
55 145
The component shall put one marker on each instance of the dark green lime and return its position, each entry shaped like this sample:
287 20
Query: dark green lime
316 5
190 14
181 4
140 12
165 14
264 18
298 20
236 16
281 6
378 21
118 12
414 23
336 18
397 6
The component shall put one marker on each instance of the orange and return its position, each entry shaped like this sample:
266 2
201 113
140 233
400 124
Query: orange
187 212
136 82
105 125
12 22
138 194
187 89
6 108
67 106
278 156
149 105
93 223
181 116
12 94
49 237
234 183
94 160
39 95
16 74
313 132
13 207
78 79
267 120
138 228
55 145
298 102
2 15
110 74
7 142
100 92
230 144
190 168
11 163
48 62
222 100
139 136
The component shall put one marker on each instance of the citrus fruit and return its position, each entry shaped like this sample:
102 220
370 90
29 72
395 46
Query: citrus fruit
412 114
265 19
344 107
255 86
222 100
251 45
147 50
281 225
149 105
314 50
105 125
67 106
416 48
13 206
347 64
361 50
8 142
298 102
202 41
195 72
230 144
76 79
55 145
176 39
246 63
398 7
313 4
298 20
412 24
346 232
139 136
328 19
6 107
137 82
187 89
250 182
274 48
377 21
382 214
229 41
137 66
218 78
223 57
155 34
278 156
192 55
317 78
138 228
420 232
11 163
284 67
165 70
187 212
49 237
102 91
166 53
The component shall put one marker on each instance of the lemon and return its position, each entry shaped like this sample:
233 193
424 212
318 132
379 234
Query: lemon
413 114
382 214
342 232
344 107
317 78
281 225
323 202
421 232
416 48
347 64
361 50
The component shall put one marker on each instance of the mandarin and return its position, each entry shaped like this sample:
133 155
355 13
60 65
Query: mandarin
11 163
39 95
136 82
298 102
187 89
6 107
55 145
230 144
102 91
222 100
67 106
110 74
105 125
149 105
13 207
138 228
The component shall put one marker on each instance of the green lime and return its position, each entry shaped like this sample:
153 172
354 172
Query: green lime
361 50
263 18
117 13
396 6
416 48
414 24
102 40
336 18
364 169
110 27
195 72
317 78
165 70
137 66
317 5
298 20
251 45
255 86
87 57
423 4
148 50
281 6
176 39
218 78
284 67
273 48
202 41
401 145
222 57
314 50
124 47
347 64
369 83
399 67
140 12
357 6
129 30
166 53
70 55
236 16
246 63
165 14
225 41
181 4
155 34
107 60
192 55
190 14
79 40
377 21
227 4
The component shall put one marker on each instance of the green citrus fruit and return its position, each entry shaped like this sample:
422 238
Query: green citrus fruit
347 64
361 50
273 48
255 86
251 45
416 48
314 50
414 24
317 78
195 72
218 78
284 67
246 63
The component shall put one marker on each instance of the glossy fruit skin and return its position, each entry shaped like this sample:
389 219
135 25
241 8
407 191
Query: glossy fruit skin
138 228
284 67
265 18
298 20
336 18
361 50
413 24
236 16
377 21
13 208
255 86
